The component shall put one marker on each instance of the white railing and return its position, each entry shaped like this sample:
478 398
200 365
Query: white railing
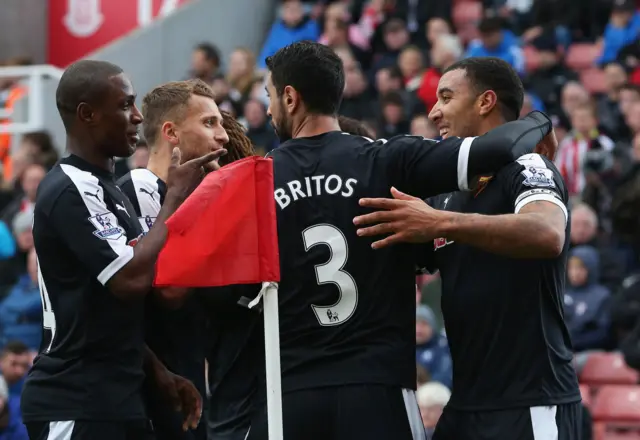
32 77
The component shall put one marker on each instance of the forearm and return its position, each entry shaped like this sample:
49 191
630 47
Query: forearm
135 279
151 364
513 235
504 144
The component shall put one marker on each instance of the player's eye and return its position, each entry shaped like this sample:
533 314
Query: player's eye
209 122
446 99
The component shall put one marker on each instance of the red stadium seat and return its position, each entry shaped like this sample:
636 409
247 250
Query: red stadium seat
619 404
531 58
466 13
582 55
606 369
593 80
585 392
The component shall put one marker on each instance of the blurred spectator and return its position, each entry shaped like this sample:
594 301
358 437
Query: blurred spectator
421 125
259 129
36 147
585 301
15 360
550 75
292 26
336 36
432 351
393 119
623 29
21 310
11 426
584 231
629 94
16 264
396 37
495 41
573 95
417 13
356 102
585 149
446 50
227 98
355 34
557 16
432 398
437 27
205 62
632 118
609 114
241 72
411 63
29 181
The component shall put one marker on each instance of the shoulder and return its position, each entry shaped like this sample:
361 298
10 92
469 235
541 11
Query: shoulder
138 178
62 182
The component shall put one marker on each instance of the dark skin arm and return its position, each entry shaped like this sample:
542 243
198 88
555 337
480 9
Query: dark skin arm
135 279
178 390
537 231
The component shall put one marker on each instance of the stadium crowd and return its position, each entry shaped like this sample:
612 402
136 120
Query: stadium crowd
579 62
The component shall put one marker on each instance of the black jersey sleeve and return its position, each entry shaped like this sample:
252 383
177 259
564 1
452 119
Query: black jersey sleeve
533 178
424 167
83 222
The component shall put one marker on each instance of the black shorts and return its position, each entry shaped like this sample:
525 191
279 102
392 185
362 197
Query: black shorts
90 430
562 422
345 413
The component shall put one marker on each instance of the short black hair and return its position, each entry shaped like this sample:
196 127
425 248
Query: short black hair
631 87
210 52
314 70
490 25
489 73
15 347
83 81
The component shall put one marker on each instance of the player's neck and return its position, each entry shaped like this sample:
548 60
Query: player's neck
314 125
489 124
94 157
159 161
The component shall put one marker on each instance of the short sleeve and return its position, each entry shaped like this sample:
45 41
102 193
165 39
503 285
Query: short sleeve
533 178
82 221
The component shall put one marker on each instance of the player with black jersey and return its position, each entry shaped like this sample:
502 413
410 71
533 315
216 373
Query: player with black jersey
347 313
181 328
501 252
86 381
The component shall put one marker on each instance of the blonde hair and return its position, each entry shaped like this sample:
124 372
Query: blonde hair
168 102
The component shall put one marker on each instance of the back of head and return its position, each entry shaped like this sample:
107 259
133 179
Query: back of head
489 73
357 128
168 102
83 81
314 71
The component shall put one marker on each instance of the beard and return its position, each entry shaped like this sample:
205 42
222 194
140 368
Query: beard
283 127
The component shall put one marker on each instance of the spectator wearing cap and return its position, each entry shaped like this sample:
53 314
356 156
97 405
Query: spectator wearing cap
21 310
495 41
550 75
432 398
292 25
623 29
432 349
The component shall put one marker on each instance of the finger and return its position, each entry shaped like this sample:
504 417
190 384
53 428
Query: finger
399 195
375 217
382 228
200 161
176 155
388 241
381 203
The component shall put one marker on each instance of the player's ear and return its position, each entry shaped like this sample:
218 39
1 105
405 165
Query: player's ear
168 131
85 113
487 101
291 99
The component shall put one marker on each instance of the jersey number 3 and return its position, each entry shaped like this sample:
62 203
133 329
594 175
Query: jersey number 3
331 273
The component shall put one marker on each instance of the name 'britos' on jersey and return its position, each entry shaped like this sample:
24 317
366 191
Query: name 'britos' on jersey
314 186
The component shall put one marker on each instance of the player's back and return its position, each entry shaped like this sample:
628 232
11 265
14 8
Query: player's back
347 312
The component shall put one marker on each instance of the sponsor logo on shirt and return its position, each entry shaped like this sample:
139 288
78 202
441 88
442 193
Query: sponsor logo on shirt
538 177
107 227
440 243
482 184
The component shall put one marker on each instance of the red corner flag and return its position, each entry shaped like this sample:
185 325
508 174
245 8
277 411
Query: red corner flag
225 232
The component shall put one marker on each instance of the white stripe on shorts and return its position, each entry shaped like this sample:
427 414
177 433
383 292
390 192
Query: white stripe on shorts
248 431
61 430
413 414
543 422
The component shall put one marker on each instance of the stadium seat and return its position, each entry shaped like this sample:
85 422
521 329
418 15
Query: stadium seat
585 392
593 80
618 404
531 58
607 369
466 13
582 55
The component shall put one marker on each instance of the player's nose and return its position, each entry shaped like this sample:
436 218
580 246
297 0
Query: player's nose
435 114
136 116
221 136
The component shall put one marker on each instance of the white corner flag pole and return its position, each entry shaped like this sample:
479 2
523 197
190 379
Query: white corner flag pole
269 294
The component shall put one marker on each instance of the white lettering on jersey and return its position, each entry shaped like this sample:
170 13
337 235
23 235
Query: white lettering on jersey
314 186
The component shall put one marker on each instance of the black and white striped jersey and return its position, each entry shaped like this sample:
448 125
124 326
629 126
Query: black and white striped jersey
90 363
146 192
